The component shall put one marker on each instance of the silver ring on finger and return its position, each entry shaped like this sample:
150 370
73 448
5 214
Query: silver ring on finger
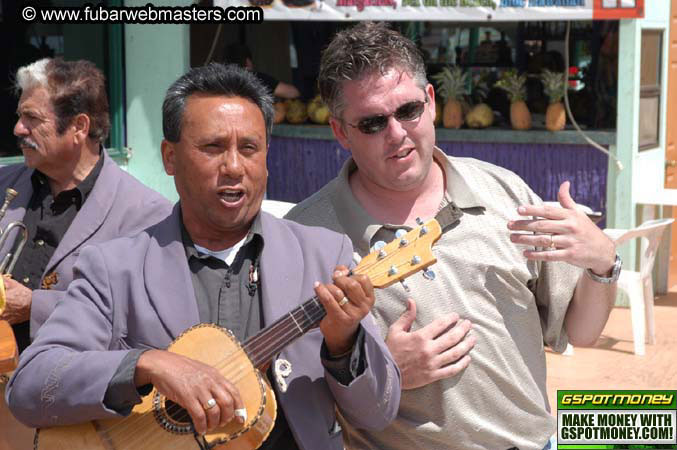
209 404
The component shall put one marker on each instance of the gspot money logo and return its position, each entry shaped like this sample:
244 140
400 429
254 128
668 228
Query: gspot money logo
616 419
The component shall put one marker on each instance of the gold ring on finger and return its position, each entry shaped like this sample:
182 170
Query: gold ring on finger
343 301
552 243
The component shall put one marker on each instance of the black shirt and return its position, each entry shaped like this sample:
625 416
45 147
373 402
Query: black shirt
47 219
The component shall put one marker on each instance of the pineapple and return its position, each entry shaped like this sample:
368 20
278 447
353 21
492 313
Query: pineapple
554 84
481 115
514 84
452 86
438 113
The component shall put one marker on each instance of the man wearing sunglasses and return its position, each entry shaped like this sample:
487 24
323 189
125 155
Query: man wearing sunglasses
517 283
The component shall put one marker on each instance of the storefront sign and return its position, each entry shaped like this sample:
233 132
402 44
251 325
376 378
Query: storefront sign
444 10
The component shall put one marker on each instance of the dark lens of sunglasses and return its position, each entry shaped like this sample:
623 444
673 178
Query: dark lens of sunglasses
410 111
372 125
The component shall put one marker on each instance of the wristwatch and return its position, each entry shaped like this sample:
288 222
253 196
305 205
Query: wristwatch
615 272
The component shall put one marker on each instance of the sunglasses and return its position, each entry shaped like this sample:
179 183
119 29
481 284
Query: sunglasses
405 113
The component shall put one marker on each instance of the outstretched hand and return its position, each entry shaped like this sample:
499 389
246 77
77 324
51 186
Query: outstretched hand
565 234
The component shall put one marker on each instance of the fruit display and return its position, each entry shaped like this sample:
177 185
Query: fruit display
280 112
318 112
554 84
452 87
514 84
481 115
297 112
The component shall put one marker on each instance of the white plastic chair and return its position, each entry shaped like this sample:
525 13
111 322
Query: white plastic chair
639 285
276 207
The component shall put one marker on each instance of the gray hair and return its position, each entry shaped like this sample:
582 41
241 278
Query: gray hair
361 51
215 79
31 75
74 87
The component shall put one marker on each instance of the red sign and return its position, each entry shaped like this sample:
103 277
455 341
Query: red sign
618 9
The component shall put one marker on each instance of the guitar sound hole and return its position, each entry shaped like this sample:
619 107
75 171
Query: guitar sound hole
177 413
171 416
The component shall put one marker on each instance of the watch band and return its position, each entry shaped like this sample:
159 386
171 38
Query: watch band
615 272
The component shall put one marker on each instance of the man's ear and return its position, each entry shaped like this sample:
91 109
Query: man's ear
430 91
339 132
80 125
168 157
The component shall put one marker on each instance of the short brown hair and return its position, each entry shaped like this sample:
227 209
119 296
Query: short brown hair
75 87
361 51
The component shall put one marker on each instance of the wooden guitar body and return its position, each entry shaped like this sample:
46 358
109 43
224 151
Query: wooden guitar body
157 424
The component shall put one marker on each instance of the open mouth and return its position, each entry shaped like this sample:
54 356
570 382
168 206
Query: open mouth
402 153
231 196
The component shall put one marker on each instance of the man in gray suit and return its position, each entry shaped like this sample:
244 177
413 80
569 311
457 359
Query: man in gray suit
215 259
70 193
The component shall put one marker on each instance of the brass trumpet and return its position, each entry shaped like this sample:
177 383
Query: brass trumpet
12 256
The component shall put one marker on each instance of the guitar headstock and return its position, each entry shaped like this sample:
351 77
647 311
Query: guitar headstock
401 257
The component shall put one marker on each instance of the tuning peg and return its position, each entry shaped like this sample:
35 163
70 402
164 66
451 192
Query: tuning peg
405 286
415 260
378 246
428 274
424 231
400 232
392 271
419 221
403 242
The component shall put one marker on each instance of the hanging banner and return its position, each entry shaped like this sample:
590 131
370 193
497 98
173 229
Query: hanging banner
444 10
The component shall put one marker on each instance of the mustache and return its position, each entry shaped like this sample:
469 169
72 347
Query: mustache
25 142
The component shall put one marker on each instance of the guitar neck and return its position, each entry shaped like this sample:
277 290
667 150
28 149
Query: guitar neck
390 263
270 341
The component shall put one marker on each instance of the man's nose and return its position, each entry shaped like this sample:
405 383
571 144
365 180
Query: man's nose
20 129
395 131
231 164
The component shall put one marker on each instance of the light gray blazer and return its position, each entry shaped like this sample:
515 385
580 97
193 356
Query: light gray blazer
137 293
118 205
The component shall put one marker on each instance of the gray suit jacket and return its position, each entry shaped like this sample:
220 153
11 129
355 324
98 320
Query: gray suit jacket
137 293
118 205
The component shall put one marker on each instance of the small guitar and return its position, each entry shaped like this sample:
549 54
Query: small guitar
158 423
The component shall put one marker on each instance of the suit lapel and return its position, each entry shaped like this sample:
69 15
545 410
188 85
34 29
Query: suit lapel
92 214
168 281
281 269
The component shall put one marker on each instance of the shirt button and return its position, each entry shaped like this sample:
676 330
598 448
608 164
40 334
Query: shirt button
26 280
40 242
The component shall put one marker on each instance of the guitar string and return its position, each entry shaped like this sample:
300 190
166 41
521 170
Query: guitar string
290 330
287 331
